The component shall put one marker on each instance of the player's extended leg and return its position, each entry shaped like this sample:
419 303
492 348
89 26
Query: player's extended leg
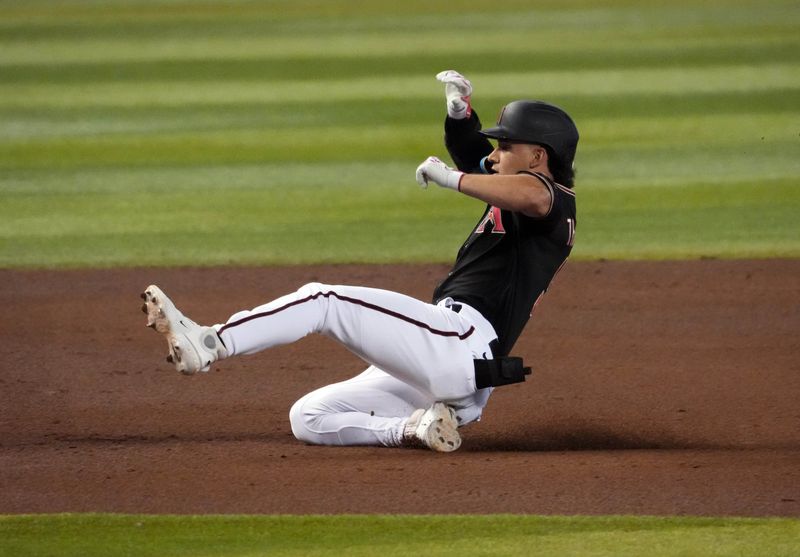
426 346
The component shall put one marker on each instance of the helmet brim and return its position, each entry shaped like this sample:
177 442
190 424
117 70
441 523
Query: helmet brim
497 132
504 134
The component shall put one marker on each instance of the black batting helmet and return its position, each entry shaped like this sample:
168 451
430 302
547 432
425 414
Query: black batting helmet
537 122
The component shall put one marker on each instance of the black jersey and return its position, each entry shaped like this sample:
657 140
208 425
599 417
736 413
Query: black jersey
509 259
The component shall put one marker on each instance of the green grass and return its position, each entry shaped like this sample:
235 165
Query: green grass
329 223
86 535
166 132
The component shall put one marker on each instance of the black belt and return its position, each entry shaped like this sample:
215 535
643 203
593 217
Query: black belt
497 371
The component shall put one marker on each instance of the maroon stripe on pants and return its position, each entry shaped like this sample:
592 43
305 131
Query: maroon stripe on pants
352 301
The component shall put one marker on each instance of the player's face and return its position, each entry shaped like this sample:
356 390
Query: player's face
511 158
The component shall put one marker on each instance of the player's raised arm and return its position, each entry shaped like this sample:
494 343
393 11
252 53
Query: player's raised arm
467 147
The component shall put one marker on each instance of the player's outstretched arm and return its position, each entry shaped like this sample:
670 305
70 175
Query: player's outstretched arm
522 193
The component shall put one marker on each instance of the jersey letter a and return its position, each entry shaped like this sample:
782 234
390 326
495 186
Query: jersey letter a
494 217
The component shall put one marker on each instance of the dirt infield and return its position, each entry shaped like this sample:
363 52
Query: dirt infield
658 388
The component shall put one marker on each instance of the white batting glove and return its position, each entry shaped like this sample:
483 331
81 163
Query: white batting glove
434 170
458 91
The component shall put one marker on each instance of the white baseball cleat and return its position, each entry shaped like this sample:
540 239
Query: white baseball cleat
192 347
435 428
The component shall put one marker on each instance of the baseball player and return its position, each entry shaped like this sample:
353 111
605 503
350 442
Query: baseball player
432 366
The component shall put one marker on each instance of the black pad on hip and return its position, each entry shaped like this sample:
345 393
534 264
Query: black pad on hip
499 372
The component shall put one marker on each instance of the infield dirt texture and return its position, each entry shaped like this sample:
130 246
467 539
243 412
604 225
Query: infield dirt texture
221 134
659 388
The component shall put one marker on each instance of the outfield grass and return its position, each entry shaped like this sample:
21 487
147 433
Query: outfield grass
87 535
164 132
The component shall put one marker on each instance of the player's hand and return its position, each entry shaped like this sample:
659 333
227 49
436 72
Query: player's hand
434 170
458 91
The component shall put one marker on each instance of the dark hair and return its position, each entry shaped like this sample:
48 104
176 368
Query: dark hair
563 172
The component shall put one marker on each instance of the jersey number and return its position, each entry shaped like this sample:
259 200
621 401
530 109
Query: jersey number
570 232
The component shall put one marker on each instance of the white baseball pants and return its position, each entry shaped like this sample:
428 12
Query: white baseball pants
419 353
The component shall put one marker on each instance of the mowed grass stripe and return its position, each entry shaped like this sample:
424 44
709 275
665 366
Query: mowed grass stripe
267 163
380 222
153 179
678 81
540 31
275 11
36 122
625 149
606 47
292 223
321 67
48 20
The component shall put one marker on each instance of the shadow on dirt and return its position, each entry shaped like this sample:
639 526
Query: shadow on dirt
585 439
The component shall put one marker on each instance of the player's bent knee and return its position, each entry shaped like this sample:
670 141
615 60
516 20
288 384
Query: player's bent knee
299 419
306 417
